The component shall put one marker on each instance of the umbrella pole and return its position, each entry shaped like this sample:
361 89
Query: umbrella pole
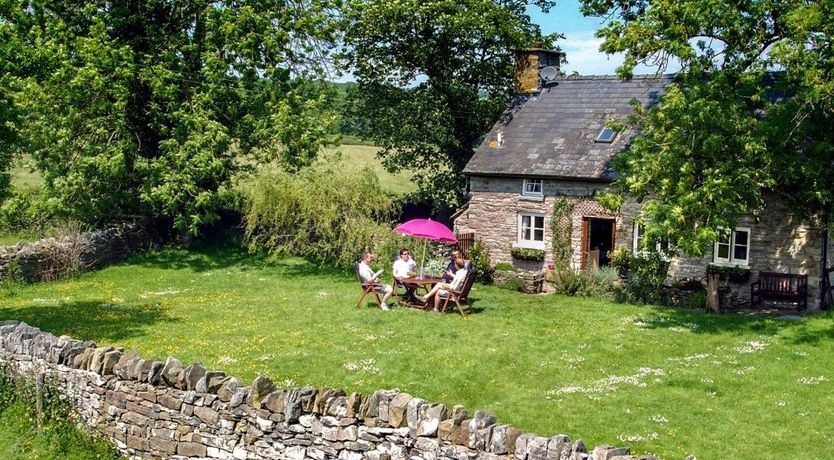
423 259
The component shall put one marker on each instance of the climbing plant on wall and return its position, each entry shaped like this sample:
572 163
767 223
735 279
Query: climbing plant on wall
561 227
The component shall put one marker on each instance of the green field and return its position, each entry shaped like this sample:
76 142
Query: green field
356 157
350 157
663 381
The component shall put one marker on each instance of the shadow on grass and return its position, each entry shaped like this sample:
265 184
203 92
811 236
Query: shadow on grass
90 320
213 254
227 252
709 323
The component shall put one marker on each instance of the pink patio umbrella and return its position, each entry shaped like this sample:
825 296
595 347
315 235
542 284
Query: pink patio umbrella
429 230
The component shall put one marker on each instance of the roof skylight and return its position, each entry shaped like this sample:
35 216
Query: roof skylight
606 136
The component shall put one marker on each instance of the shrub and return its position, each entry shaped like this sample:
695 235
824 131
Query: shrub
320 213
645 274
603 283
481 263
527 253
504 267
734 274
512 283
26 210
698 300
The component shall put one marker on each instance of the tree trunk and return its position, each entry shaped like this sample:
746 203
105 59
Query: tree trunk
713 302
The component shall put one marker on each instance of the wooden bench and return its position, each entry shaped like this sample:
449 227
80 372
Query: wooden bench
780 286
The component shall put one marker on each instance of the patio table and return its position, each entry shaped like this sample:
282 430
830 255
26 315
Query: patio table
417 283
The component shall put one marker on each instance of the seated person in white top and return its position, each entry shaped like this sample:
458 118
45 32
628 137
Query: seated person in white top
367 275
440 289
404 266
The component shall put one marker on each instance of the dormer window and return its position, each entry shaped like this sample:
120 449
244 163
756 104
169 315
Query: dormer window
532 187
606 136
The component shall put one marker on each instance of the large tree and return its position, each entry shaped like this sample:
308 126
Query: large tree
749 117
151 107
433 76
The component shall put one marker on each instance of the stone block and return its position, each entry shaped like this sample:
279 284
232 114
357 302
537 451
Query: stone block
126 362
170 402
430 422
172 372
136 419
604 452
162 446
137 443
323 395
154 373
261 387
397 409
415 413
558 447
537 448
369 407
498 440
82 361
206 415
109 361
115 398
192 374
191 449
274 401
354 405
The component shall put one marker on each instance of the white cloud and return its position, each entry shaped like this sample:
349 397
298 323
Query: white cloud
584 57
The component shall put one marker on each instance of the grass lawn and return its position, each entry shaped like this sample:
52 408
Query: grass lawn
661 381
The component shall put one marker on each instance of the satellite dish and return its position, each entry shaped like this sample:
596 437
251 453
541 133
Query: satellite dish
549 73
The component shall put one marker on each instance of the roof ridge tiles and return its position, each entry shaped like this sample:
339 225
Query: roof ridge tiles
614 77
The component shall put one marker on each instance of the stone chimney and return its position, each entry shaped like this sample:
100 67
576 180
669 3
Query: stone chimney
528 63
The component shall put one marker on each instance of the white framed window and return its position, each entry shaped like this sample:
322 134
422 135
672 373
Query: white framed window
664 246
733 248
530 230
532 187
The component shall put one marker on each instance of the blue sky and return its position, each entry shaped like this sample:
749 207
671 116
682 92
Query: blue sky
580 45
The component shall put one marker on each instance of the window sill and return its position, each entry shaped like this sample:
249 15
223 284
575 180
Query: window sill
534 198
723 263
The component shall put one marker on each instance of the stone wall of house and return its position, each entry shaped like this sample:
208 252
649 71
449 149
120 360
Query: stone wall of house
151 409
492 214
777 241
52 258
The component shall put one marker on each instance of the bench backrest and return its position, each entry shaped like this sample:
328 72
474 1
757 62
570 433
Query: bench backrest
782 282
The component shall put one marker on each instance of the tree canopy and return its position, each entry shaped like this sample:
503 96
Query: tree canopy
433 76
748 118
152 107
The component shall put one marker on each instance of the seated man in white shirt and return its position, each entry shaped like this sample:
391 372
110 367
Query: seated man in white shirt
368 276
404 266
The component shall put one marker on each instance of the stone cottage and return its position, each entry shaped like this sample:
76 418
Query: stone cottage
552 143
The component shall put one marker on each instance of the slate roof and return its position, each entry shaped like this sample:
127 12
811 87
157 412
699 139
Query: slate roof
551 134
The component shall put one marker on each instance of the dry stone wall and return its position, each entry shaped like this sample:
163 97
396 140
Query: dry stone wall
52 258
151 409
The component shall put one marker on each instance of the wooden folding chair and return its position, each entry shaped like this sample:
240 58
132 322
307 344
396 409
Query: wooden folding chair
367 288
462 295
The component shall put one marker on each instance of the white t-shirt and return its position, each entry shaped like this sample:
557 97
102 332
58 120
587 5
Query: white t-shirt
457 281
401 267
365 272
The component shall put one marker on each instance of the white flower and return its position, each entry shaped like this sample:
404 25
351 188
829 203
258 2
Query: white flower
812 380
